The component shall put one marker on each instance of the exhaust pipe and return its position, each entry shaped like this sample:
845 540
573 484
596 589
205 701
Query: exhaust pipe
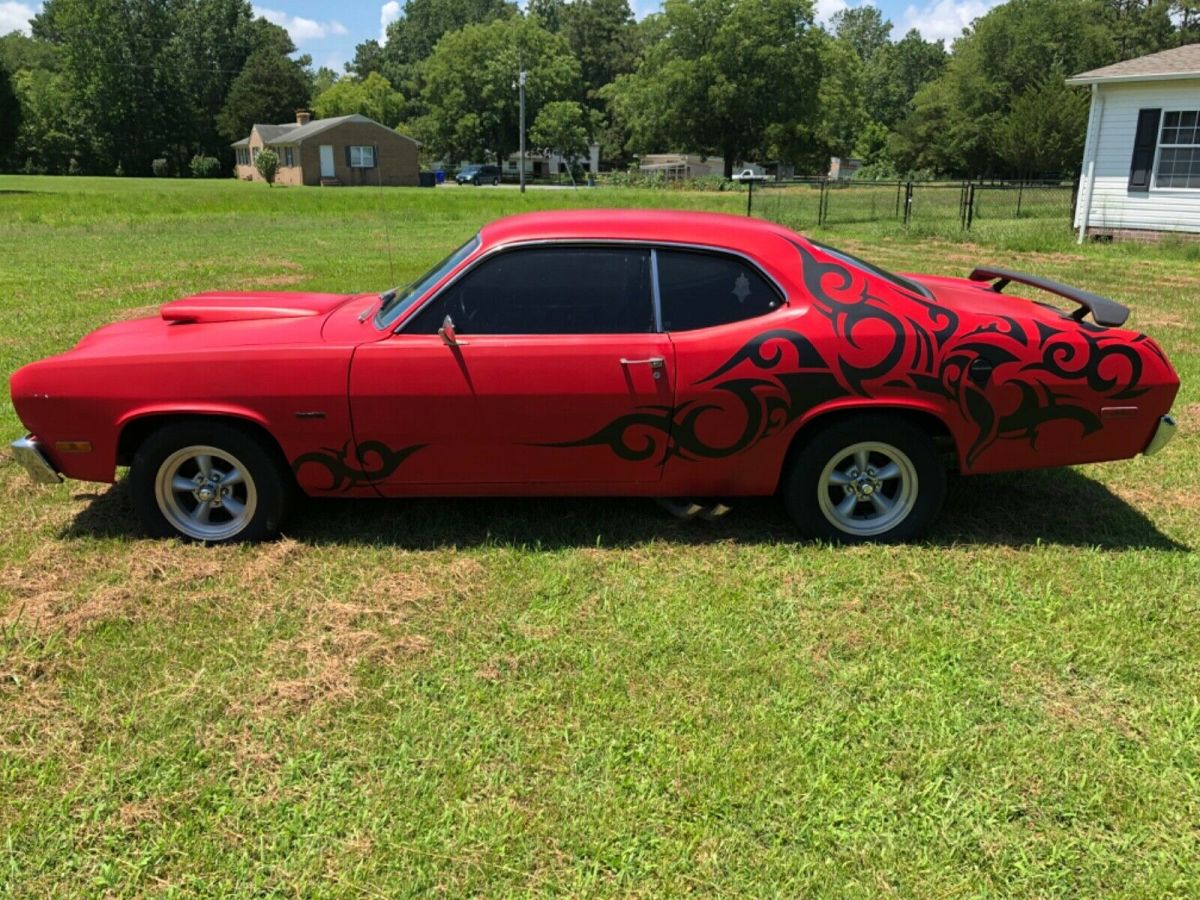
687 509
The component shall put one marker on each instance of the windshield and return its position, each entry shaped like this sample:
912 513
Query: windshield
903 283
397 300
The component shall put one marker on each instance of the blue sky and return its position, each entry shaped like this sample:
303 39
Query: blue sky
329 31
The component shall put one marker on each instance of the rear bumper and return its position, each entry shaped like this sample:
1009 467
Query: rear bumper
1162 435
29 454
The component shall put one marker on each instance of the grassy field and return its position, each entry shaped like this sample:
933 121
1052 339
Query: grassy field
485 697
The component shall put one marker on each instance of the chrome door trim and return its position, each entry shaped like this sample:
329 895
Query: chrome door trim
650 245
655 290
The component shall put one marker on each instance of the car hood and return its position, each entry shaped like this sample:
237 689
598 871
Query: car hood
214 320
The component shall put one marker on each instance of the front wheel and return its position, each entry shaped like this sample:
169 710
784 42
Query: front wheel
875 478
207 482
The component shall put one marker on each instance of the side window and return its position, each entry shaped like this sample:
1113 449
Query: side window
700 290
548 290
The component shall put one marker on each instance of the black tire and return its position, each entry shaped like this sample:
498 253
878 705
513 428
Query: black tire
495 182
475 181
813 499
263 479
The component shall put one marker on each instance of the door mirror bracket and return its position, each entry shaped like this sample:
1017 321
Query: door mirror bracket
448 335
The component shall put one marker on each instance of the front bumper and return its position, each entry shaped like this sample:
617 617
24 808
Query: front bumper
1162 435
28 453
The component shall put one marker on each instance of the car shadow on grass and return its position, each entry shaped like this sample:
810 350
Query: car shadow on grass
1058 506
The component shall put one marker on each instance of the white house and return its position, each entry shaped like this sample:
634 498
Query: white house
1141 159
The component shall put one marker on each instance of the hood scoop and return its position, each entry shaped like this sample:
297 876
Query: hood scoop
216 306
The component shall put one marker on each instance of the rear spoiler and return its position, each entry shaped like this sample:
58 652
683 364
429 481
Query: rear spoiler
1104 311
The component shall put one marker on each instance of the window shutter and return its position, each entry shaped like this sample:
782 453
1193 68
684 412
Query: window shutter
1145 140
348 156
374 155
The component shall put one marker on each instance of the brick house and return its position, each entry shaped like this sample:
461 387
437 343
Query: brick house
351 150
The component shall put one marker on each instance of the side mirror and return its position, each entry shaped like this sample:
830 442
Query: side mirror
447 333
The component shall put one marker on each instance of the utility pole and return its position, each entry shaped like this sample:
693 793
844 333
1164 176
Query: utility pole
521 90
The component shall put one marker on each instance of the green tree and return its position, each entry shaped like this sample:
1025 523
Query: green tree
412 37
45 141
548 12
1043 131
267 164
471 85
954 119
727 78
10 114
841 116
121 79
894 74
211 43
604 38
19 51
864 28
373 97
1142 26
270 88
323 80
564 126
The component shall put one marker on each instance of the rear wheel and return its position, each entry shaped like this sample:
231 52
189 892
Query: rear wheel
874 478
495 182
207 482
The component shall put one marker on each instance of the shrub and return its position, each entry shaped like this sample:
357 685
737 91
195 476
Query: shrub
160 168
119 171
205 166
267 164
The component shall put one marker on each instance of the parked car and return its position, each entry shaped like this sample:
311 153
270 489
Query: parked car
748 175
478 175
692 357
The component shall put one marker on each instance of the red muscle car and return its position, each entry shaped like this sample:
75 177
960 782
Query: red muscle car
684 356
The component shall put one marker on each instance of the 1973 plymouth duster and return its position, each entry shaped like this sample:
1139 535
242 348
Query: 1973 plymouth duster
677 355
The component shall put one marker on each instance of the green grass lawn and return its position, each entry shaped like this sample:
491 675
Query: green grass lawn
499 697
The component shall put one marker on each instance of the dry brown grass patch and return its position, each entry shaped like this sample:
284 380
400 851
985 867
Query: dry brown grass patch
48 595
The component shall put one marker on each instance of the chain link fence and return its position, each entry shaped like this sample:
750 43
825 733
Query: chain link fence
982 209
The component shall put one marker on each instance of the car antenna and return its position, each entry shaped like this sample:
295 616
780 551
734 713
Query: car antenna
387 228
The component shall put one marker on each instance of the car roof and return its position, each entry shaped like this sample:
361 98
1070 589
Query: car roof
741 233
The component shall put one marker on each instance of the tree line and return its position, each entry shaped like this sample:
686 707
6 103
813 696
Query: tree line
135 86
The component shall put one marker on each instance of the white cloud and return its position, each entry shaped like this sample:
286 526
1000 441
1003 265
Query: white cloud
826 9
16 16
388 13
301 30
942 19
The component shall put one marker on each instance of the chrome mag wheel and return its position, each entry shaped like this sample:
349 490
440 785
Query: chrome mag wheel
205 492
867 489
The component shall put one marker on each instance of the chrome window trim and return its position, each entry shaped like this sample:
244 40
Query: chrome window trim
655 290
650 245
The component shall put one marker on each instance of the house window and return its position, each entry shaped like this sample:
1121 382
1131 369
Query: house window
1179 150
253 155
289 156
362 157
243 156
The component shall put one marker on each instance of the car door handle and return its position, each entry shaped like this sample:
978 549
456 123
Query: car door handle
654 362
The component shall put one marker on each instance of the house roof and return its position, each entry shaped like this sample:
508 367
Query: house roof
1179 62
299 134
271 133
291 133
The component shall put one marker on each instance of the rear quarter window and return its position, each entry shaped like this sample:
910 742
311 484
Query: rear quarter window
700 289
